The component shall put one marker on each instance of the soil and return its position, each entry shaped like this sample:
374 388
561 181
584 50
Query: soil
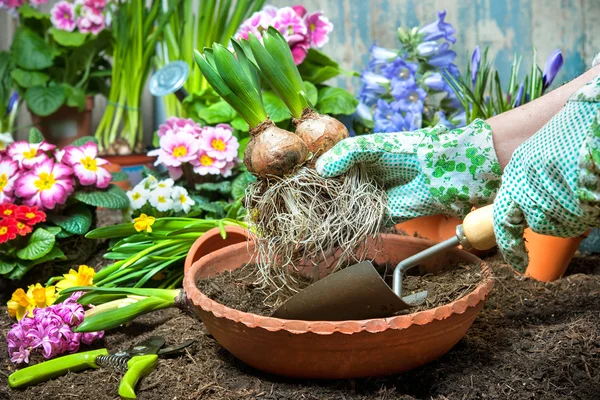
532 340
236 289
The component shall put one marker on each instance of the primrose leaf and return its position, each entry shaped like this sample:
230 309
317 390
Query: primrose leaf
40 243
44 101
77 219
114 198
333 100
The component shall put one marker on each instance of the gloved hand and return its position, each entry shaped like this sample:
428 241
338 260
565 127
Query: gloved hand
425 172
552 181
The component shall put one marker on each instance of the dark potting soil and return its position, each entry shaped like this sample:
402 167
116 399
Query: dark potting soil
236 289
532 340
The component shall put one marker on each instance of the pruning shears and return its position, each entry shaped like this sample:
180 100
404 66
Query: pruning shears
137 362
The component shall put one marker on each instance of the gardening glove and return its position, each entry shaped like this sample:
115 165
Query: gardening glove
552 182
425 172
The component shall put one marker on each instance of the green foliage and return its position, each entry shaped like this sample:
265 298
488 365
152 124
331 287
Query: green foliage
43 100
333 100
76 219
40 243
35 136
114 198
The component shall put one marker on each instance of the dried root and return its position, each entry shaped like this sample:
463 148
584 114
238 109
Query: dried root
302 220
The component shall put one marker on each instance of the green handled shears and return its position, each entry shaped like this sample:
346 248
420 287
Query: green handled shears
136 362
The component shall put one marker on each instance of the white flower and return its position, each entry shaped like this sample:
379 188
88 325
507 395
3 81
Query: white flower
166 184
5 139
181 200
138 197
161 199
149 183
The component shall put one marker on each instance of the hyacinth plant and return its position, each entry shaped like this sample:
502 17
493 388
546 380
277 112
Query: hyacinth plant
480 90
61 57
135 34
404 89
49 197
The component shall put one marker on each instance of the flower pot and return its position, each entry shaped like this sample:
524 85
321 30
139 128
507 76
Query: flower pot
212 241
341 349
132 164
549 256
66 124
112 167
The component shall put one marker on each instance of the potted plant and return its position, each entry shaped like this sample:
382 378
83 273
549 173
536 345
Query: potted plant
60 64
49 202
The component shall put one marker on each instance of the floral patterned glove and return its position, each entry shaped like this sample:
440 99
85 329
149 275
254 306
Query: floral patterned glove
425 172
552 181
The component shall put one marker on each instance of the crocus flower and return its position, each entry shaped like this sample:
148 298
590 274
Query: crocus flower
553 65
143 223
8 229
475 61
219 142
207 165
319 28
176 148
181 200
519 95
86 165
84 276
9 173
90 20
46 185
62 16
161 200
138 197
290 24
438 29
29 154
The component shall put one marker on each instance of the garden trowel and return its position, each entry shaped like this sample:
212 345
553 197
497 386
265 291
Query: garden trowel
358 292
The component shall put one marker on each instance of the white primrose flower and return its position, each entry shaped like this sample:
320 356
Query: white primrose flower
138 197
149 182
161 199
166 184
181 200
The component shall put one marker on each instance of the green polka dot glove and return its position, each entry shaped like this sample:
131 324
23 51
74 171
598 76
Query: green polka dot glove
552 182
425 172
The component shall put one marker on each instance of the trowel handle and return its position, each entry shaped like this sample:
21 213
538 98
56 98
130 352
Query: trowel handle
478 228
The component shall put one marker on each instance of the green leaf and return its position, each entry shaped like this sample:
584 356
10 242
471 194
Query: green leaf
83 140
217 208
40 243
243 143
220 187
63 234
334 101
31 51
217 113
77 219
68 39
119 176
35 136
27 11
27 79
318 67
76 98
275 107
311 92
6 266
44 101
239 124
24 266
55 230
114 197
238 187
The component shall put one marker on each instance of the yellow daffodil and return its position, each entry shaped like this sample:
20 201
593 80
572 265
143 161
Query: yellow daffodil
37 296
143 223
83 277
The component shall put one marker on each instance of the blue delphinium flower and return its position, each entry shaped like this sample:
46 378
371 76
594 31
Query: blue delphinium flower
438 30
399 69
388 119
380 56
410 98
436 82
443 58
374 85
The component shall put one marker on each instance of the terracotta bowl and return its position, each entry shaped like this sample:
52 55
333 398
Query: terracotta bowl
344 349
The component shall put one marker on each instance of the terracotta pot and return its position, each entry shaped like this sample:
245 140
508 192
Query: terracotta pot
112 167
132 165
343 349
212 241
66 124
549 256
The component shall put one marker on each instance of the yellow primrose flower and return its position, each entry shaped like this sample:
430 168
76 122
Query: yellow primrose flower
143 223
37 296
83 277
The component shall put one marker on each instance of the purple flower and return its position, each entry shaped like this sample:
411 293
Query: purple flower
429 48
553 65
519 95
380 55
436 82
20 356
363 112
291 26
410 98
14 98
399 68
374 85
62 16
389 119
442 120
443 58
319 28
47 338
453 70
438 29
475 61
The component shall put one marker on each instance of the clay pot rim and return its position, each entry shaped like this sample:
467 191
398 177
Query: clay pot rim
213 232
128 160
349 327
